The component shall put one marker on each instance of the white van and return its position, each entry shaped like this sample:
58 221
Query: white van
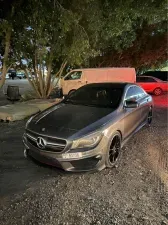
79 77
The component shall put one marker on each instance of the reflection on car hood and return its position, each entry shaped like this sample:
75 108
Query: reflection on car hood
65 120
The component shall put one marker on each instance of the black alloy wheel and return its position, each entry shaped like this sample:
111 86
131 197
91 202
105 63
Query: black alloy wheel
150 116
114 150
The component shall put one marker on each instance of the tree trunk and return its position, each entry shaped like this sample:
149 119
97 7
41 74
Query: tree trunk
35 66
41 82
5 58
33 84
58 75
48 78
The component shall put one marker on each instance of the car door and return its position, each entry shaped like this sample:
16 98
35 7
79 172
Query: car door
164 86
72 81
147 83
142 99
142 81
151 84
131 115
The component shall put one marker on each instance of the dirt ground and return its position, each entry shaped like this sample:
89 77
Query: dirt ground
134 193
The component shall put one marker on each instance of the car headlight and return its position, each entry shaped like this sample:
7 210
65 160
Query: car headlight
89 141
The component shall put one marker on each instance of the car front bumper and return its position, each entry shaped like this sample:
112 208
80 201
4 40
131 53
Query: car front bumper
87 161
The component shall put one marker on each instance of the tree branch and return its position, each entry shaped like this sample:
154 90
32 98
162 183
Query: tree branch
5 58
58 74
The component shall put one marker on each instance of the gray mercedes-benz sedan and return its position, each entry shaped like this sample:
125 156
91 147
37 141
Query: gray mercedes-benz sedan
87 129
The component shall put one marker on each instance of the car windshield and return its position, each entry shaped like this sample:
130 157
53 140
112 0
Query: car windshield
96 96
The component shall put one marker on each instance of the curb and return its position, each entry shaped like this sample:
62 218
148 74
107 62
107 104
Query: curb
22 110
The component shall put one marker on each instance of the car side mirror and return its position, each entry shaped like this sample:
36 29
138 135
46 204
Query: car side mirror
131 104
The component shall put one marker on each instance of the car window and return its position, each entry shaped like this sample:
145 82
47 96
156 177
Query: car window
134 93
138 79
96 96
75 75
140 93
150 79
131 95
145 79
141 79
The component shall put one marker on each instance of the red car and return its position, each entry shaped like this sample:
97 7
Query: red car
152 84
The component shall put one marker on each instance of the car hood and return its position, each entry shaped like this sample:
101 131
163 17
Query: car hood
64 120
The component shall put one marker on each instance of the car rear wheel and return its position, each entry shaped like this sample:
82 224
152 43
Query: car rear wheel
150 116
157 91
113 152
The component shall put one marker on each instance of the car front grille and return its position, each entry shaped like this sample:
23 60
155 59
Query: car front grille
52 144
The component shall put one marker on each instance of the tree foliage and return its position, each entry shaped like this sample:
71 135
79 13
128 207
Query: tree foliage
148 50
137 37
7 20
49 34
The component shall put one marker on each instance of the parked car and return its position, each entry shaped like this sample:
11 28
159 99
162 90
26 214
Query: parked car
12 74
7 76
20 75
87 130
32 76
162 75
80 77
152 84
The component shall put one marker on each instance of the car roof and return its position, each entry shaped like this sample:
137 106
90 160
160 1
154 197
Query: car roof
146 76
155 78
163 75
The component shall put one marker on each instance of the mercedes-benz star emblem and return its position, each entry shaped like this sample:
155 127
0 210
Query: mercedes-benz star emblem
41 143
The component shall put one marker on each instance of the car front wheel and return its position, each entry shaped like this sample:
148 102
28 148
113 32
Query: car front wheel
113 152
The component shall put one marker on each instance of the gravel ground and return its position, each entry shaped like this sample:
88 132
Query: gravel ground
133 193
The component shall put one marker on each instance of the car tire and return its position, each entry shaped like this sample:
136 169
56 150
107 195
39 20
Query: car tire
157 91
70 92
114 150
150 117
